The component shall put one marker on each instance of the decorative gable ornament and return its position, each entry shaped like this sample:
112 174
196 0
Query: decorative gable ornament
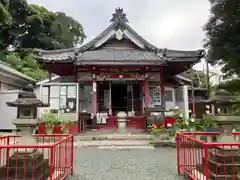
119 34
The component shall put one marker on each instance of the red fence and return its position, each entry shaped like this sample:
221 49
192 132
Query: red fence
200 158
51 158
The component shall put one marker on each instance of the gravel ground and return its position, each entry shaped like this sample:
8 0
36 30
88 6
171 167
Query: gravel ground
137 164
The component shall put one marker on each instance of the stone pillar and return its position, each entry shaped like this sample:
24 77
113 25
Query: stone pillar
94 97
225 127
146 91
41 98
122 121
213 109
186 103
77 101
26 127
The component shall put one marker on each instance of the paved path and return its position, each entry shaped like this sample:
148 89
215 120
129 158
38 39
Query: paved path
115 164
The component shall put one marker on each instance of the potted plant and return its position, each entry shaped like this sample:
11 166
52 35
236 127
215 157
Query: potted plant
65 125
50 120
180 124
158 131
208 125
192 125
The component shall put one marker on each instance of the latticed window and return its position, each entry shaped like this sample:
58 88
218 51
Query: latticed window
155 95
66 100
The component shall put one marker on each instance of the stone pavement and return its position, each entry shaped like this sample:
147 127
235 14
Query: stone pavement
134 164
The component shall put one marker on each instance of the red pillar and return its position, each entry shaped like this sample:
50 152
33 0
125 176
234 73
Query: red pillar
162 88
146 91
110 99
94 96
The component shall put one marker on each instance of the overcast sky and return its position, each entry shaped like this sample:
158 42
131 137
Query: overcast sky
172 24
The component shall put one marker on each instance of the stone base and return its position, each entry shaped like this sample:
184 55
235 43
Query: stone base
27 166
222 160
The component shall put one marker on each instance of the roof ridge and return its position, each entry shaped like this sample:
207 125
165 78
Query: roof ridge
113 25
56 50
111 49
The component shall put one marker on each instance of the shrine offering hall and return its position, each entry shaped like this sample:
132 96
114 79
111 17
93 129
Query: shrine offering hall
118 71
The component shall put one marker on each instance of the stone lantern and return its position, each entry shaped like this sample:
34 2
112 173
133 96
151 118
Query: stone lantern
225 119
223 115
26 121
27 105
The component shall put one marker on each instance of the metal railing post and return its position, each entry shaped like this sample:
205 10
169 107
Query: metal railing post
178 153
206 161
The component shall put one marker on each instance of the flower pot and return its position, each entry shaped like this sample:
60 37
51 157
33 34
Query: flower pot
65 128
57 129
49 130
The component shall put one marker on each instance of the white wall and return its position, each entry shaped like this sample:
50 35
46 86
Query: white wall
179 98
8 114
38 95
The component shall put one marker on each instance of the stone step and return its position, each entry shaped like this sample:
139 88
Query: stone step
126 147
112 143
118 136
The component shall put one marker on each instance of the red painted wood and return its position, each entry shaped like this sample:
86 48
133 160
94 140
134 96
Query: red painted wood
119 68
138 122
120 75
146 92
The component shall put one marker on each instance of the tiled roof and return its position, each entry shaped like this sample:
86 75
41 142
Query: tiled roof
223 96
5 67
63 54
118 22
119 55
27 99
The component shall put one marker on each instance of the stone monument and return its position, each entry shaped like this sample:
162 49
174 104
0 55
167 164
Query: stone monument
26 121
122 121
222 157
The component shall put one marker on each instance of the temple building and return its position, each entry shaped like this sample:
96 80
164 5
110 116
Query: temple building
116 71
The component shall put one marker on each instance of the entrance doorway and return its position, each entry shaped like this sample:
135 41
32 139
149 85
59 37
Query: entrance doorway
119 98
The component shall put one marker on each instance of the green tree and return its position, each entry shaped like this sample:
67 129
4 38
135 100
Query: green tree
26 27
231 86
48 30
223 36
198 77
